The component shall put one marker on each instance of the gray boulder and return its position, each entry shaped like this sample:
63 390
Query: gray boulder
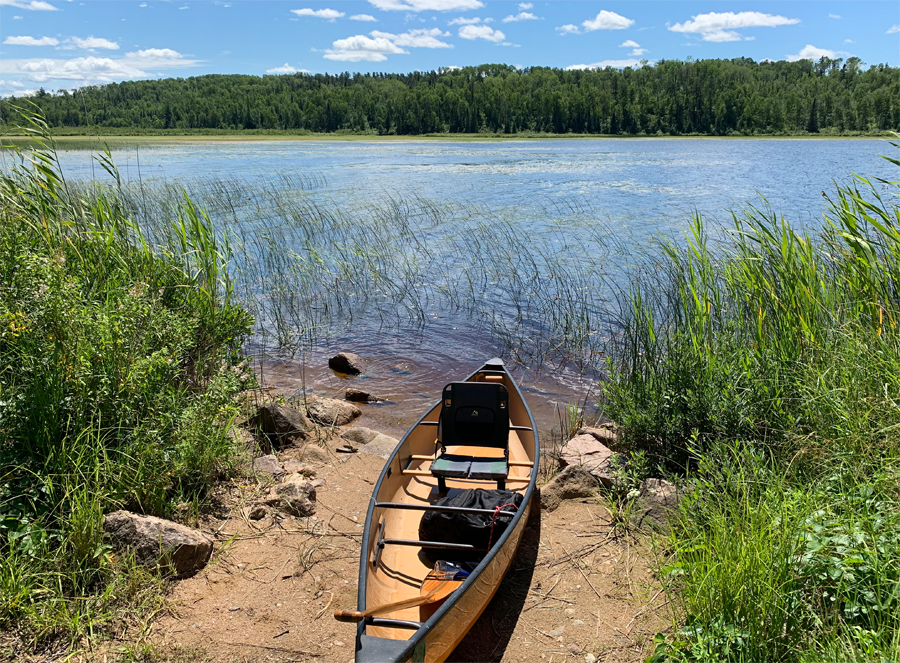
381 445
360 435
657 502
267 465
347 363
282 422
587 451
607 433
296 496
178 548
574 482
332 412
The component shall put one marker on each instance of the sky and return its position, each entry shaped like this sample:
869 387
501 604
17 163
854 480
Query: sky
66 44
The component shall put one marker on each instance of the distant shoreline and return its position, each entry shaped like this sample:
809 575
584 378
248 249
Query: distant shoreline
18 139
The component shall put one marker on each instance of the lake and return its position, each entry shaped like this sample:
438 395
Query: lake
431 256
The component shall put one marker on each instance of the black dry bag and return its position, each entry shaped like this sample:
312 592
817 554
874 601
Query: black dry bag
475 529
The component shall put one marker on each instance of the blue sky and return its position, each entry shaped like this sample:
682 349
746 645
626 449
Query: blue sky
58 44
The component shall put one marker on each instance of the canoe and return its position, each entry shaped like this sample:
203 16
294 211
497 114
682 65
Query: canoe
394 562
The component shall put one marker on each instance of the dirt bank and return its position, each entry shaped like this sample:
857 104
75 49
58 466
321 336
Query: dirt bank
578 586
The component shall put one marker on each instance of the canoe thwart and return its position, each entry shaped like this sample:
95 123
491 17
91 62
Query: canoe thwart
431 507
437 545
396 623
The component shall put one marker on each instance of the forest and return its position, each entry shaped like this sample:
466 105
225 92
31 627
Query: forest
705 97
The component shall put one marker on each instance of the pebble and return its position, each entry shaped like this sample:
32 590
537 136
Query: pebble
338 643
590 658
573 648
570 611
234 608
555 633
578 622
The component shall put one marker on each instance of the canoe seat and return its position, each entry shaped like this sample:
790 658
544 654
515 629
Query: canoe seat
473 414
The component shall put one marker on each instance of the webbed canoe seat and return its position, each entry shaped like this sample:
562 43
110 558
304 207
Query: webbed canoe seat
473 414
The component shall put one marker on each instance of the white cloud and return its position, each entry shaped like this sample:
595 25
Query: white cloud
416 38
138 64
30 41
526 5
638 52
180 8
360 47
471 32
568 30
143 4
521 16
427 5
719 27
91 43
833 16
283 69
616 64
849 41
629 43
893 29
363 17
469 21
329 14
810 52
17 18
34 5
607 21
11 84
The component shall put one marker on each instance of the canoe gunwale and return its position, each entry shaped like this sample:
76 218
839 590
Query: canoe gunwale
512 526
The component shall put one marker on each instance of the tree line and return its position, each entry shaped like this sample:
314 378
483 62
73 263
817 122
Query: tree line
672 97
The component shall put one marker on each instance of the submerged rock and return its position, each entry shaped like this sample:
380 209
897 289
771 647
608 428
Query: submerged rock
359 396
574 482
332 412
154 540
347 363
587 451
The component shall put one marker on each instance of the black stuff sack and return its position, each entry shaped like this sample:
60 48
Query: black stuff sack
475 529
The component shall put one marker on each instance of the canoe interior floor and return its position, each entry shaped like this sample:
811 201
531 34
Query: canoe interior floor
401 569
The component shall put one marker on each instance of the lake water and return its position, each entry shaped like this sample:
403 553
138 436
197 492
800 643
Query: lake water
556 206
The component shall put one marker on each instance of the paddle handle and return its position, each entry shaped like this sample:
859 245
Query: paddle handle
357 616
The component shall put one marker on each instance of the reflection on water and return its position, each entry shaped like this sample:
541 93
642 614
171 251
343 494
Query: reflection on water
507 245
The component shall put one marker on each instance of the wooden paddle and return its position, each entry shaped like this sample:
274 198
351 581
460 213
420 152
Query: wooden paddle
433 589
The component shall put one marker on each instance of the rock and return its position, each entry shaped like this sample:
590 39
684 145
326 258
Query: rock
296 496
573 649
347 363
590 658
657 502
381 445
555 633
153 540
585 450
267 465
607 433
578 622
359 396
296 467
282 422
573 482
332 412
311 453
360 435
242 438
257 512
346 449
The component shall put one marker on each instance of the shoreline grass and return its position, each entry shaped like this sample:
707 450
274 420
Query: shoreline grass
764 370
119 361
